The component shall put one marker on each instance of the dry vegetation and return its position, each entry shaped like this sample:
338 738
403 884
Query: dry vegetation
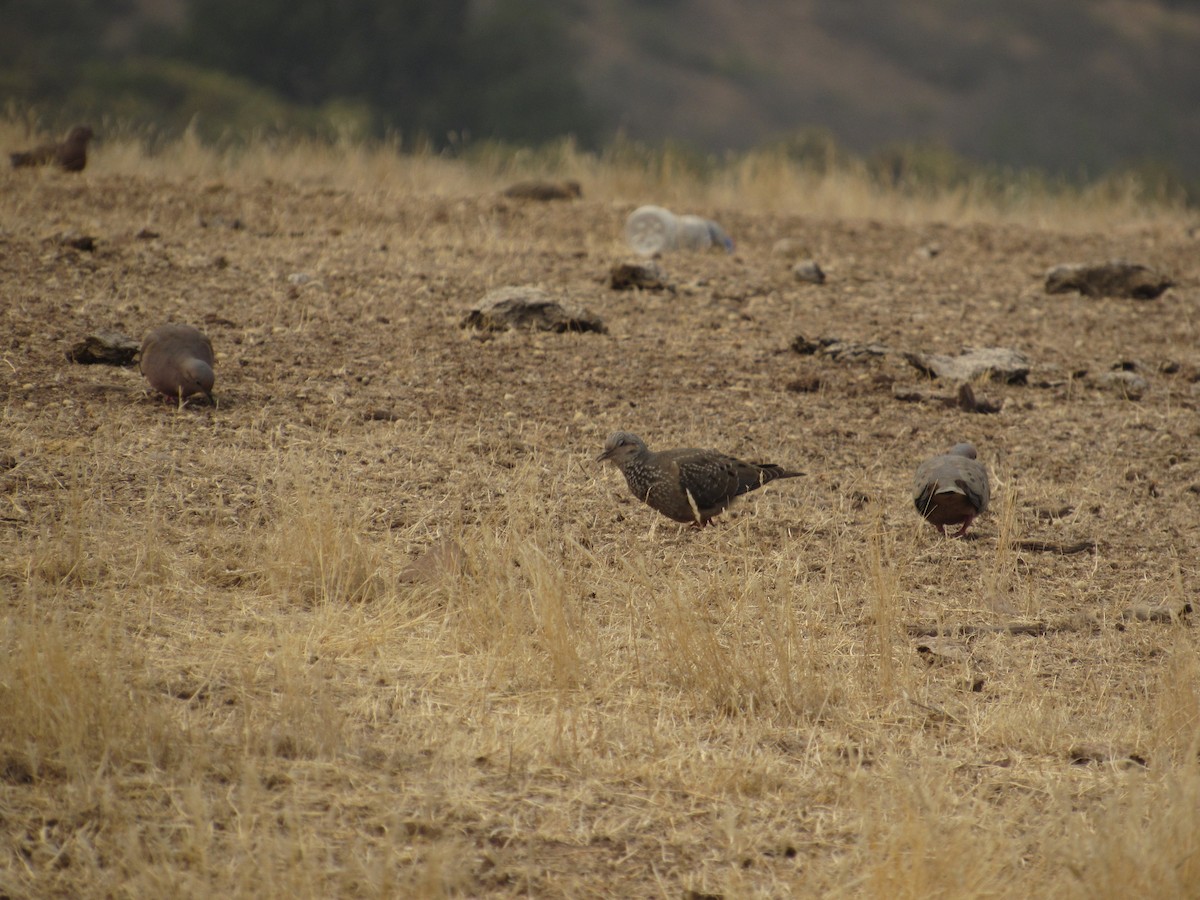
379 626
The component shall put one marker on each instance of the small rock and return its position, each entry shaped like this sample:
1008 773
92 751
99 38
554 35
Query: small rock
77 241
1130 385
996 363
645 276
808 270
1116 278
109 348
146 234
1166 611
299 278
806 384
381 415
941 651
839 350
929 251
544 190
529 308
966 400
1085 754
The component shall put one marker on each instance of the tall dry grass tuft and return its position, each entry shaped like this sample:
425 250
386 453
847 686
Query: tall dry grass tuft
319 549
517 604
1175 725
1141 843
884 606
730 641
517 598
1001 579
70 709
66 550
922 838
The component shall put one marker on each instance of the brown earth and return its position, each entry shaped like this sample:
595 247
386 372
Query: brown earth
579 698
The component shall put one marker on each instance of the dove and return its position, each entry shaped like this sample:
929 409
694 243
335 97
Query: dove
177 360
951 489
687 485
70 155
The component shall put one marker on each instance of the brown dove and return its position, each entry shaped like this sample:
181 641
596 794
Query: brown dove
70 155
686 485
177 360
952 489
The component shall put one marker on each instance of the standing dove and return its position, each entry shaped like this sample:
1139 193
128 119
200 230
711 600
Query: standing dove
952 489
70 155
177 360
686 485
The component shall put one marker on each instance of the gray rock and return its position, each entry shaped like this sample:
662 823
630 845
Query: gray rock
109 348
839 350
1128 384
997 363
544 191
645 276
808 270
1115 278
529 309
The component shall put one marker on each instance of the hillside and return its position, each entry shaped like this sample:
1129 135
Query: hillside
1064 85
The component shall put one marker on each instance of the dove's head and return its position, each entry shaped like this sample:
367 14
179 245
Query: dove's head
718 236
196 377
621 447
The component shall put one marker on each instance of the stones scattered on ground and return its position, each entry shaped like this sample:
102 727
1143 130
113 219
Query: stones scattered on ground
544 191
809 271
380 414
1115 278
937 651
929 251
530 309
76 241
1129 385
641 275
806 384
968 369
1103 754
1059 547
1165 611
974 363
108 348
964 398
1050 514
839 350
220 221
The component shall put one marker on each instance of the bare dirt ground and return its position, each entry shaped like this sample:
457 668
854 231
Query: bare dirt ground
378 624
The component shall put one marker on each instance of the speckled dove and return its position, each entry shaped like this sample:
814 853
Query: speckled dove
686 485
952 489
177 360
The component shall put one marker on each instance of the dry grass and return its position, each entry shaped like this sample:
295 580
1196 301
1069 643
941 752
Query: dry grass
289 647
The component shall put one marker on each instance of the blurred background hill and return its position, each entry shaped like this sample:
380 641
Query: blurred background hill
1076 87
